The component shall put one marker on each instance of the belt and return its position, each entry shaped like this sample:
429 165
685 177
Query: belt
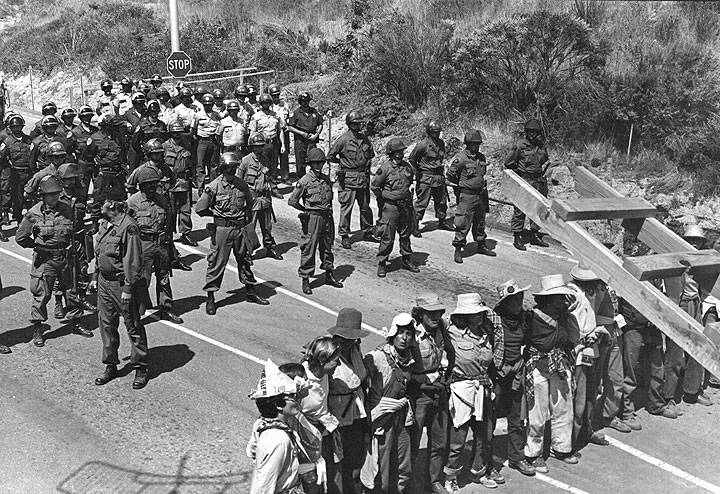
354 170
116 170
51 250
229 222
468 190
234 147
319 212
150 237
439 171
203 138
397 202
113 276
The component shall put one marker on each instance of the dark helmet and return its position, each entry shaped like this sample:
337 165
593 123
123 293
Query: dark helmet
138 97
241 90
257 139
153 146
148 174
106 84
67 170
49 108
207 99
353 117
153 106
56 148
316 155
395 144
176 126
162 91
433 127
145 87
304 96
49 184
265 98
251 89
86 110
105 120
126 83
49 121
228 159
533 124
273 89
233 105
156 78
219 94
185 92
16 120
200 90
473 135
68 113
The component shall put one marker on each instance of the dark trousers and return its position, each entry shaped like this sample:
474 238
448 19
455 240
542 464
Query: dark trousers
680 367
517 223
353 438
482 443
587 380
334 470
264 217
612 375
284 158
636 340
107 186
6 189
19 177
183 209
469 215
508 403
46 269
205 161
85 171
394 458
319 237
156 259
226 240
271 153
110 309
394 220
431 413
301 149
423 193
347 198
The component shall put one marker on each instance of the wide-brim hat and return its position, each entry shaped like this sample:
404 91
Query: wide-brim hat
348 325
401 320
429 301
583 273
553 284
694 232
508 289
469 303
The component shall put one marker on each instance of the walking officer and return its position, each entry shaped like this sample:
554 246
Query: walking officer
353 151
179 160
47 229
427 160
15 163
256 175
229 201
528 159
121 289
393 184
80 134
316 219
307 124
151 212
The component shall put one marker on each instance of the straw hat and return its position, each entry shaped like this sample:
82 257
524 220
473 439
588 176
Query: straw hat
583 273
273 382
553 284
429 301
349 325
694 232
401 320
508 289
469 303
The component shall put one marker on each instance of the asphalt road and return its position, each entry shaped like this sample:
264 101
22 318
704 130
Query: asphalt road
187 430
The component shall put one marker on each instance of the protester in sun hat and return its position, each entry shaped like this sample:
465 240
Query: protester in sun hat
548 372
427 389
476 335
346 400
508 377
388 465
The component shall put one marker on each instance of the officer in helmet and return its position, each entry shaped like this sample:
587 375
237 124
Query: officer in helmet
282 109
15 153
55 156
178 157
49 108
105 100
123 100
81 133
47 229
38 148
228 232
132 119
269 124
393 184
354 152
220 102
185 110
529 159
241 94
156 83
149 127
252 96
198 94
234 129
306 124
167 110
315 190
206 132
467 174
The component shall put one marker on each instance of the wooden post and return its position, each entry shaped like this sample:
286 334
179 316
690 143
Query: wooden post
261 90
82 92
632 127
32 93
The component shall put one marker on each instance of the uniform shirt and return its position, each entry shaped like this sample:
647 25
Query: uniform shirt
186 114
427 159
268 123
36 130
527 158
468 171
46 228
394 180
147 129
234 131
81 134
38 150
353 151
316 192
66 133
105 105
15 151
179 160
168 114
103 150
473 353
133 118
227 198
122 103
167 177
283 112
31 186
306 120
118 250
198 106
207 125
151 214
428 353
255 175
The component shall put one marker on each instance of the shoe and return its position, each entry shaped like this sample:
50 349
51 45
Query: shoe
330 279
417 234
184 239
438 488
458 258
59 311
369 237
451 486
141 378
539 464
496 476
676 407
3 237
210 304
518 243
483 478
446 225
536 239
107 376
271 252
408 264
306 286
169 316
345 243
598 439
482 248
382 270
633 422
37 337
178 264
253 297
5 349
619 425
698 398
667 411
523 467
569 458
88 306
79 329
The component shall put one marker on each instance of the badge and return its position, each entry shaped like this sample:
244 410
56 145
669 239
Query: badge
89 141
208 190
32 146
133 230
2 147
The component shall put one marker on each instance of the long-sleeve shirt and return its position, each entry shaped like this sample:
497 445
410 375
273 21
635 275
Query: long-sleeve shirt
393 180
118 250
276 461
314 405
227 198
427 159
353 151
268 123
316 192
527 158
468 171
43 227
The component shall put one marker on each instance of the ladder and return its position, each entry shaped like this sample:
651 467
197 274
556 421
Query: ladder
628 277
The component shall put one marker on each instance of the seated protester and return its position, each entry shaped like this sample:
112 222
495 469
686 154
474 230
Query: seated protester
548 372
274 447
476 335
508 377
388 465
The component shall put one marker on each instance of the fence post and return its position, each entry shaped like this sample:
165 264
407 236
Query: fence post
82 92
262 86
32 92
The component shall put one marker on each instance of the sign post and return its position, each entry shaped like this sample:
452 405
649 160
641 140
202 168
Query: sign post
179 64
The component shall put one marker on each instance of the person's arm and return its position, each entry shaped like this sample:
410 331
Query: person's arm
271 456
252 126
281 134
24 234
318 130
454 171
205 202
132 258
511 162
297 194
34 153
378 181
334 151
449 349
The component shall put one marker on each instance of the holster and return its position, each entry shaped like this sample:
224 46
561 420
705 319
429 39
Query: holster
212 229
304 219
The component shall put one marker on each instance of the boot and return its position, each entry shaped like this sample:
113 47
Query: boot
458 255
445 224
38 334
518 243
184 239
253 297
536 239
88 306
3 237
141 378
330 279
417 234
77 328
368 236
382 270
210 305
107 376
178 264
5 349
409 265
170 316
271 252
59 309
306 286
346 243
483 249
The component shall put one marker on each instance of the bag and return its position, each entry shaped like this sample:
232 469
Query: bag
250 238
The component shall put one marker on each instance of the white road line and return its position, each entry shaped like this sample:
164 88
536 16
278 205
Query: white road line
559 484
16 256
664 465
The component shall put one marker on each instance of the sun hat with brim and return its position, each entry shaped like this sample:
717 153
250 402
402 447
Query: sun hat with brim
401 320
273 382
429 301
583 273
349 325
694 232
469 303
553 284
508 289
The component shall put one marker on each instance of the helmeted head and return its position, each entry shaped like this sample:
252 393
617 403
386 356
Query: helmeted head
208 101
153 107
126 84
533 129
233 107
148 179
199 91
266 101
68 174
175 128
354 120
256 142
16 123
49 124
49 108
316 159
473 140
50 188
219 95
252 92
242 92
163 95
228 163
145 88
274 91
106 86
433 129
56 152
185 95
304 98
138 100
395 148
105 122
85 114
154 150
156 80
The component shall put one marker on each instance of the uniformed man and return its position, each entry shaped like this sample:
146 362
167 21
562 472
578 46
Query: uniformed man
121 291
156 84
256 175
528 159
15 163
103 151
149 127
353 151
145 88
467 174
178 158
55 156
220 103
282 109
315 190
150 210
185 109
49 108
234 129
306 124
132 119
427 159
105 101
67 122
393 184
269 124
123 99
242 93
80 135
252 97
206 131
167 111
38 148
47 229
229 200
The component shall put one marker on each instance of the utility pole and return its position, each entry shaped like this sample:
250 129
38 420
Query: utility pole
174 29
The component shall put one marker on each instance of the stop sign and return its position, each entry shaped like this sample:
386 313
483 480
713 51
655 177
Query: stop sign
179 64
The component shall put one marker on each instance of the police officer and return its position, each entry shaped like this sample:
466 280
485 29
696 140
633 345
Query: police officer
15 163
55 156
198 94
132 118
353 151
528 159
167 111
149 127
103 152
105 100
206 130
229 200
47 229
185 109
467 174
150 210
252 97
220 102
178 158
393 184
121 291
316 219
427 160
123 100
269 124
67 123
241 93
80 135
156 84
234 129
38 148
306 124
282 109
49 108
256 175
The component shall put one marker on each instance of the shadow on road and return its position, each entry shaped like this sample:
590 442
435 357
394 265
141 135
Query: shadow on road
9 291
17 336
188 304
191 259
419 258
280 248
164 359
266 289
